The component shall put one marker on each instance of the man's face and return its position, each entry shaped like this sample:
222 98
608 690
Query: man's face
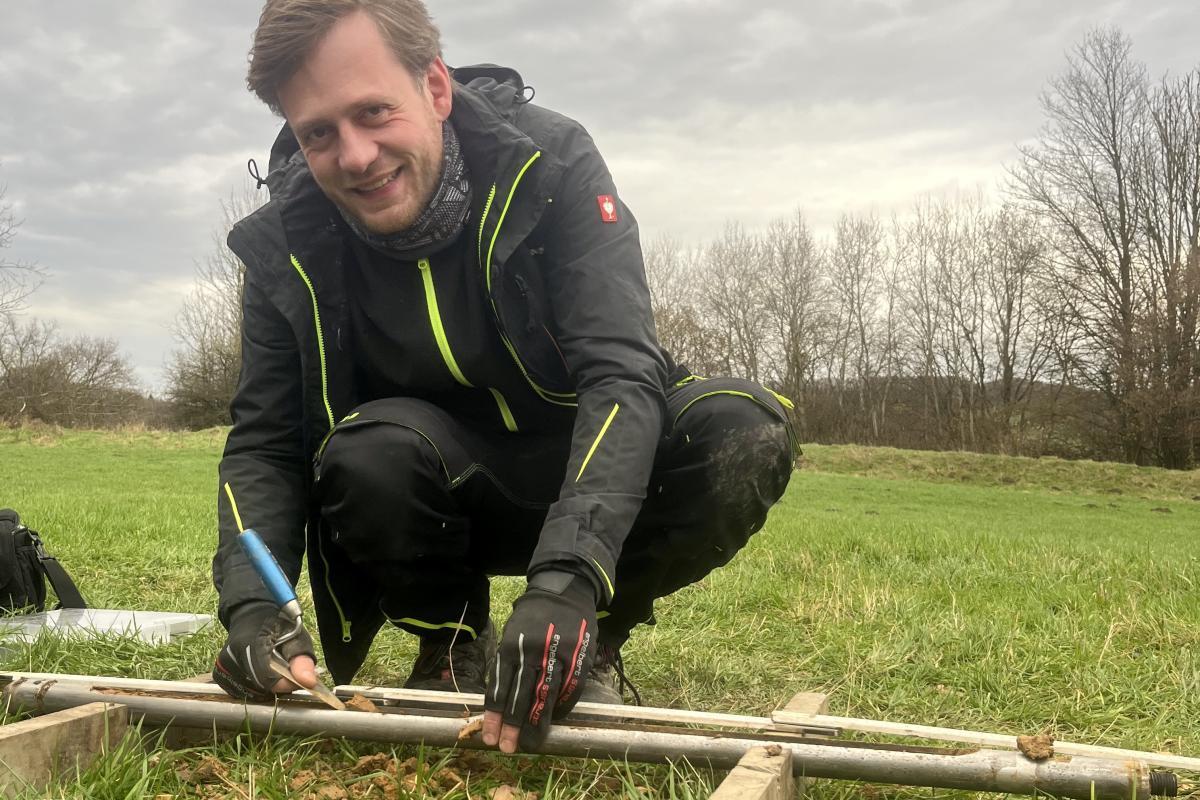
371 133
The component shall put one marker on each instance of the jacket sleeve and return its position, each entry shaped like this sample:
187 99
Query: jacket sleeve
263 469
596 285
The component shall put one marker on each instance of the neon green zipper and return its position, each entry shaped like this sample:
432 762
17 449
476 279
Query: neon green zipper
556 398
504 213
329 411
487 207
443 343
320 338
329 588
433 626
435 320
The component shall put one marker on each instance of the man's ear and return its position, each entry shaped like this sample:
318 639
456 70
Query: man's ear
440 86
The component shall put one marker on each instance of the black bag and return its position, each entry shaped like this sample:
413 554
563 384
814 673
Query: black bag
24 567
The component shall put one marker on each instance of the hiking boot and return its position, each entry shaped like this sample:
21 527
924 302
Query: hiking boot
459 667
603 684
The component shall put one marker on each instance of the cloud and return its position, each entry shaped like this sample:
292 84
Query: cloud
131 310
124 124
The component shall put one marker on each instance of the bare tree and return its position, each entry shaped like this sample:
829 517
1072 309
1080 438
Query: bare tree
82 381
919 254
861 363
98 384
672 273
795 294
732 301
203 372
27 368
1167 189
961 229
973 333
1023 323
1080 175
17 280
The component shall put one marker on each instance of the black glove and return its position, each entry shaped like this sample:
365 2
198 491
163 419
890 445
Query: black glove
545 654
243 666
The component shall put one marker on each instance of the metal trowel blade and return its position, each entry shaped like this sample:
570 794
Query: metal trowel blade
320 690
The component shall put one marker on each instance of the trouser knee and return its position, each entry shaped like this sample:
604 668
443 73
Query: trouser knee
726 461
382 490
739 458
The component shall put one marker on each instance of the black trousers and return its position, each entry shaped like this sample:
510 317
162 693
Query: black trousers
430 507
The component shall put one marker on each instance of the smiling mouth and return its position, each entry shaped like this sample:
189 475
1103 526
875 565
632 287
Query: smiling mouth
379 184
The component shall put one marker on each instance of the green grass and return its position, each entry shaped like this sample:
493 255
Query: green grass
984 592
1053 474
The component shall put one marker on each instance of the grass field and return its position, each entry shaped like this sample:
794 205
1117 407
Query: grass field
994 593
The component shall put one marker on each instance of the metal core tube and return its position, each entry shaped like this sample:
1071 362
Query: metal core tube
1079 777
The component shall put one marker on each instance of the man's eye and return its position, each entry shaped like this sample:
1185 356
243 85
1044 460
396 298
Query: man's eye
314 135
373 112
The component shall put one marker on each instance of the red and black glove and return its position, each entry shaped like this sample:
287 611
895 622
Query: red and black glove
545 655
242 667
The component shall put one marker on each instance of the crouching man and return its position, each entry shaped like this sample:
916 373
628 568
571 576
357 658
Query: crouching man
450 371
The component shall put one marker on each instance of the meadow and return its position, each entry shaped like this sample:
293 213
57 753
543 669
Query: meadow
1002 594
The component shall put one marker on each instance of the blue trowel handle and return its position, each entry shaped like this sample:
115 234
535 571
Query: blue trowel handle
268 569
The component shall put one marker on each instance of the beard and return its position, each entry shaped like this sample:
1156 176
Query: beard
420 228
423 176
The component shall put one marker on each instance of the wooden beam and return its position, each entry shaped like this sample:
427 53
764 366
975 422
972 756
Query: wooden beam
807 703
764 773
35 751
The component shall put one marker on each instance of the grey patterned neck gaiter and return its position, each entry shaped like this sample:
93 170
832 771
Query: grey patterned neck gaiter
441 221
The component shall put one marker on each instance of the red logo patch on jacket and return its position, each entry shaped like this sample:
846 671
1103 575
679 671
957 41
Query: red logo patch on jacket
608 207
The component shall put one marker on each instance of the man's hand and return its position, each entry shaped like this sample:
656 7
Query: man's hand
545 655
243 667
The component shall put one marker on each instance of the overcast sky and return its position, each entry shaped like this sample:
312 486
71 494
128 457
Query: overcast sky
124 124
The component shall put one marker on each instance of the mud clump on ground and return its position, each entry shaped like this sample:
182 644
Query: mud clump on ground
1036 748
375 776
360 703
207 770
377 762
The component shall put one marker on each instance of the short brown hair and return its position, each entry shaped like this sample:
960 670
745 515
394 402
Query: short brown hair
289 29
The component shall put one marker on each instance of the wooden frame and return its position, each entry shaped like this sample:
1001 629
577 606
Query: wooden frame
765 773
35 751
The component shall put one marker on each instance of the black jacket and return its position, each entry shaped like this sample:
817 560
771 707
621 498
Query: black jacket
570 299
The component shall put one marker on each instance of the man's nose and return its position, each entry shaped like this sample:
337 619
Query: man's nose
358 150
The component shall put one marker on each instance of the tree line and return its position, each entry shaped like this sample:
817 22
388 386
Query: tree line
1058 318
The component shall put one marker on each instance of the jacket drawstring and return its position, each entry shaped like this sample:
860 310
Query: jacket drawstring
252 168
